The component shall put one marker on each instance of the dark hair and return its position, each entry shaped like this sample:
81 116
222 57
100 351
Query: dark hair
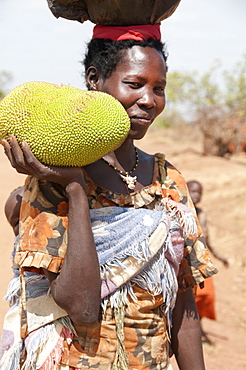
105 54
194 182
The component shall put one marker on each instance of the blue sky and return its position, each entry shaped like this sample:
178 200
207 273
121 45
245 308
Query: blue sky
34 45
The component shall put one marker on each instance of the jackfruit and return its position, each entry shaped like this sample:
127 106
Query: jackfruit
63 125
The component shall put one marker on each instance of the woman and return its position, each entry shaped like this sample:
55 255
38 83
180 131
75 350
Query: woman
135 337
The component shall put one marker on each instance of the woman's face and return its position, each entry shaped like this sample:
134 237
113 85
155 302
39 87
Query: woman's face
138 83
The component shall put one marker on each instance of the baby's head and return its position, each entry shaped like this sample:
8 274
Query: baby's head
12 208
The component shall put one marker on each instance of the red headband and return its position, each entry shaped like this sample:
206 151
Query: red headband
118 33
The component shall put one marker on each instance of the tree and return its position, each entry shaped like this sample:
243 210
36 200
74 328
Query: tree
5 78
215 102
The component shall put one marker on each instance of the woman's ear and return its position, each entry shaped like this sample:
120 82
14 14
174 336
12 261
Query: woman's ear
92 78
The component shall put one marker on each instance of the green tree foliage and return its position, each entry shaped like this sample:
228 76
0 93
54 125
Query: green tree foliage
5 78
215 102
235 82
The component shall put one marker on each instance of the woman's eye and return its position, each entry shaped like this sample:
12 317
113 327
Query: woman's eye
160 90
134 85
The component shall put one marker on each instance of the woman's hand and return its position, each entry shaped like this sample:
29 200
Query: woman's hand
26 163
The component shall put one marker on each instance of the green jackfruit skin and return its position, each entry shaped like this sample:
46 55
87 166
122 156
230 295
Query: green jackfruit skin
63 125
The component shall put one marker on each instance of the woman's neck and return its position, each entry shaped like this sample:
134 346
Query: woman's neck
124 157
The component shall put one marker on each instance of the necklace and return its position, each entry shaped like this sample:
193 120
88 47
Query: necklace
125 175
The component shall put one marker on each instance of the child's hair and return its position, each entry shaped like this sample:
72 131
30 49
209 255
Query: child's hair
194 182
105 54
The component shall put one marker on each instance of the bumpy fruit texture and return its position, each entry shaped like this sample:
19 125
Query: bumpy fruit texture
63 125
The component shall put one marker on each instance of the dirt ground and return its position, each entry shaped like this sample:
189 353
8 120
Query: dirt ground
224 200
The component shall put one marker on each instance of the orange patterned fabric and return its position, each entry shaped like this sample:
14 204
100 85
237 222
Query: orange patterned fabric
43 241
146 339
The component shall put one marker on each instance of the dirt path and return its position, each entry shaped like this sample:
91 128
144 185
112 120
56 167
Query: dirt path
224 199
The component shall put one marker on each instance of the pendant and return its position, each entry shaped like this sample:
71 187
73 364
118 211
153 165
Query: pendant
130 181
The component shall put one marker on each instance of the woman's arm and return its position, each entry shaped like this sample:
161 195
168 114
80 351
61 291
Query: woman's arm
77 287
186 333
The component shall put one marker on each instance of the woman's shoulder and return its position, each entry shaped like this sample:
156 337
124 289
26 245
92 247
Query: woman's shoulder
170 175
161 158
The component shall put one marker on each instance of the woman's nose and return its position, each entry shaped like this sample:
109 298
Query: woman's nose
147 98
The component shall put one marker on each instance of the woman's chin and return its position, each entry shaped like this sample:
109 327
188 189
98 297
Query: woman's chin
136 134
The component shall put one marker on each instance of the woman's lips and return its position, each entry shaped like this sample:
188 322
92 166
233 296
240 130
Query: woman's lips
141 120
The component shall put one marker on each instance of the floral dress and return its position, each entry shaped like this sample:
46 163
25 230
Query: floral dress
43 240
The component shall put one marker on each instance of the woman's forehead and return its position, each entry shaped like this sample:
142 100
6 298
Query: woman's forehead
142 58
140 53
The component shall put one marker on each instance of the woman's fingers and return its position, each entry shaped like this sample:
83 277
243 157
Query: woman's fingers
16 153
7 151
41 171
30 159
61 175
24 161
16 156
11 156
